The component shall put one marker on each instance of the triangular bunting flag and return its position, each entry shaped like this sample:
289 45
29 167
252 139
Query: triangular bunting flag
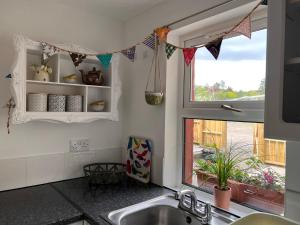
264 2
105 60
170 49
129 53
77 58
150 41
48 51
189 54
214 47
8 76
244 27
162 33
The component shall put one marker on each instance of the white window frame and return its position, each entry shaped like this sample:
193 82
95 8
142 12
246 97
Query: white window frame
252 111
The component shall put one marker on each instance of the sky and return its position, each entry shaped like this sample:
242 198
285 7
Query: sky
241 63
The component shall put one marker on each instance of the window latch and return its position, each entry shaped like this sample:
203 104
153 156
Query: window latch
229 107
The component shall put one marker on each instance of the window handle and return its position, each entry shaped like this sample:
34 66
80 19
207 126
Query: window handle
229 107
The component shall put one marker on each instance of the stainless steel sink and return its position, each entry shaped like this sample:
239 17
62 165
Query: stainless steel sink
163 211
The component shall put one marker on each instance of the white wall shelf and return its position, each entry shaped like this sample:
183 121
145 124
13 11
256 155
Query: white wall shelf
29 53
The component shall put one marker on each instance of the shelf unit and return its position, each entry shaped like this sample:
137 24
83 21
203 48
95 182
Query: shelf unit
29 53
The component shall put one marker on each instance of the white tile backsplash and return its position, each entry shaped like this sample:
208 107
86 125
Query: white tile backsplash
45 169
13 173
33 170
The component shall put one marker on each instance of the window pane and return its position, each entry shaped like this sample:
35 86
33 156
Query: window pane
258 181
237 75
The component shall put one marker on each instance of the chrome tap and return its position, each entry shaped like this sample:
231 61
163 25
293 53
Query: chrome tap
201 211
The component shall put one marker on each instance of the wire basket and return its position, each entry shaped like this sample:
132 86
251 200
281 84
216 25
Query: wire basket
105 173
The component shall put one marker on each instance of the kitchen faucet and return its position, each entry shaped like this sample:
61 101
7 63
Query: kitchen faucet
202 210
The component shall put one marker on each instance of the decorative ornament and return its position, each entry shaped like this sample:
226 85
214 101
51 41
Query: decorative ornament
150 41
77 58
129 53
264 2
214 47
8 76
105 60
10 104
170 49
188 54
162 33
244 27
48 51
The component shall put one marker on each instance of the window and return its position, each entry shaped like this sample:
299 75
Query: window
212 89
258 181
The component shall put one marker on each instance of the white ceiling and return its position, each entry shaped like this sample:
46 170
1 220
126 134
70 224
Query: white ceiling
118 9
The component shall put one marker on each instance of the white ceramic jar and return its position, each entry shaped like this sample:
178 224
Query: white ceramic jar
37 102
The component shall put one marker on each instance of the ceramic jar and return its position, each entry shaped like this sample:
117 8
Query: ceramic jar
74 103
37 102
56 103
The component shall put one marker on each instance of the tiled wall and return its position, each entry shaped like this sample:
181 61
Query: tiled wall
33 170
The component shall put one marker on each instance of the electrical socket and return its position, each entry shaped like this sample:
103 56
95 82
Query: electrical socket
79 145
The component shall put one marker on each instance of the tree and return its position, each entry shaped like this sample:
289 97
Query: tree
261 87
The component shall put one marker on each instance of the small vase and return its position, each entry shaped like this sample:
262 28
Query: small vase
222 198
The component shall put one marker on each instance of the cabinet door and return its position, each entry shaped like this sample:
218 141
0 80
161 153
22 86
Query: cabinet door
281 48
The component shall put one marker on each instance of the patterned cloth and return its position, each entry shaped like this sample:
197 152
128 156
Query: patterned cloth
150 41
244 27
188 54
170 49
129 53
139 159
48 51
162 33
77 58
105 60
214 47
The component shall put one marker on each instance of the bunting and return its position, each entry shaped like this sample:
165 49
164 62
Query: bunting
48 51
162 33
129 53
8 76
150 41
105 60
214 47
170 49
77 58
188 54
264 2
244 27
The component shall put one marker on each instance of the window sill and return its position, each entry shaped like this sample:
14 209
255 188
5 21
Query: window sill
235 208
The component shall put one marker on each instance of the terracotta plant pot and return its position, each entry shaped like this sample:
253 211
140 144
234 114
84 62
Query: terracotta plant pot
222 198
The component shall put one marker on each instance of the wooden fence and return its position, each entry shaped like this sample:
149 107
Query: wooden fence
210 132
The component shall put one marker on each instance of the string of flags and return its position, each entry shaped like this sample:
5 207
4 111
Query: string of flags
158 36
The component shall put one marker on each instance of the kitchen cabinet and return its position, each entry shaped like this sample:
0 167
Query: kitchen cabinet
282 103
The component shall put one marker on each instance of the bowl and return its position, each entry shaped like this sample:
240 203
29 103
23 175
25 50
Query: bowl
97 106
71 79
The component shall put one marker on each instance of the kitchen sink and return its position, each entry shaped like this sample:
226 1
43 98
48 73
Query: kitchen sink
164 211
264 219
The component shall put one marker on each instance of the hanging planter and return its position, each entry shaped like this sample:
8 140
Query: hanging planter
154 96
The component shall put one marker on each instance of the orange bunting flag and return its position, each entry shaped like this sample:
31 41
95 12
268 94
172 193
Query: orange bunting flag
244 27
188 54
162 33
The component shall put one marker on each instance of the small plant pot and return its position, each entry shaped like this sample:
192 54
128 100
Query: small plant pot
222 198
154 98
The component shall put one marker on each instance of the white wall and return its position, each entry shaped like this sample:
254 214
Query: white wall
37 152
142 119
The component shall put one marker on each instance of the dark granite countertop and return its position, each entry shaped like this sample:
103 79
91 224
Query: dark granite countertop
96 204
39 205
65 202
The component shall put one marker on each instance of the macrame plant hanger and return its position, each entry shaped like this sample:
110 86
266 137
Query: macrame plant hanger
155 96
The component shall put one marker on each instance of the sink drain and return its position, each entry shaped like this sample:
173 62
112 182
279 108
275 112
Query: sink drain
188 219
